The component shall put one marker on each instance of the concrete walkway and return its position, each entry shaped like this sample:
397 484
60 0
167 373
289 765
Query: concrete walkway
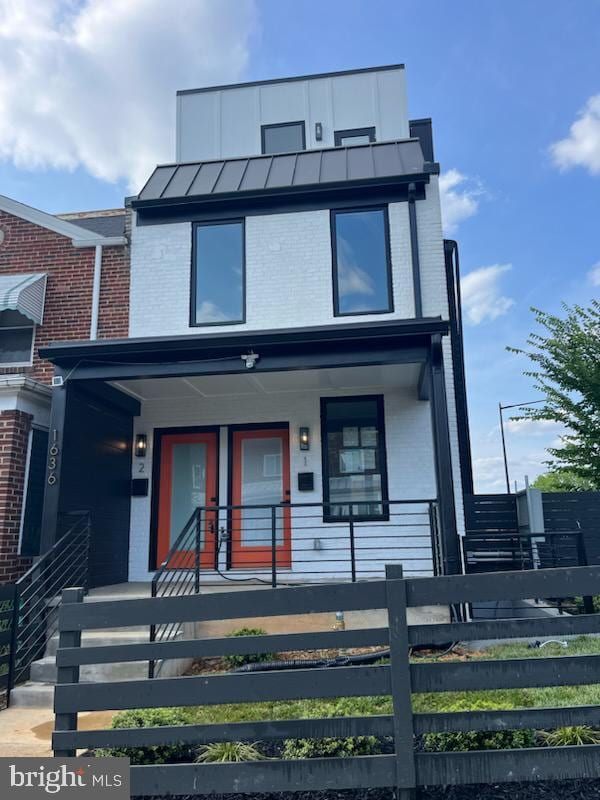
28 731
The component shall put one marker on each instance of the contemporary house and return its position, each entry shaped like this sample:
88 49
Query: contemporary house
60 278
289 396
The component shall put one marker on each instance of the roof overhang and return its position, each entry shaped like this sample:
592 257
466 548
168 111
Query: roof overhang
398 341
80 237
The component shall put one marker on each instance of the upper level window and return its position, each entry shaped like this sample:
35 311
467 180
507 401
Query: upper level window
285 137
354 461
354 136
16 339
362 273
218 273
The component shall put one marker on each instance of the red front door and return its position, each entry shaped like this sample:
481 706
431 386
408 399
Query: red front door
188 480
260 477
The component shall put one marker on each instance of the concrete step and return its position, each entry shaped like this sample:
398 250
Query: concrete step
104 637
32 695
44 671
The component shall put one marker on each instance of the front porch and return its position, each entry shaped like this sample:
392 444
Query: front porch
327 459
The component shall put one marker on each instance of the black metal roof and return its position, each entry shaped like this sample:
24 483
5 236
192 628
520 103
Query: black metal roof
378 162
107 225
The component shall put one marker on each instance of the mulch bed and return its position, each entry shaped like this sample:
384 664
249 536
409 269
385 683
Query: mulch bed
537 790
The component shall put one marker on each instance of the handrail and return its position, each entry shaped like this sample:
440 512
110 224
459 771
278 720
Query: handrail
37 596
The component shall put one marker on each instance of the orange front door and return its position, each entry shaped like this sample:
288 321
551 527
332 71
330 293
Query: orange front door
261 478
188 480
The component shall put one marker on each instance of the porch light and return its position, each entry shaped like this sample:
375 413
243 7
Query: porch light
141 444
304 437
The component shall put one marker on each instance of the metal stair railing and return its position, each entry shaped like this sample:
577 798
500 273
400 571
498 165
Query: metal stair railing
37 596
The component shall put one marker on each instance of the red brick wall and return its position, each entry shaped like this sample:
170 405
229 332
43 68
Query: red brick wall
67 312
14 432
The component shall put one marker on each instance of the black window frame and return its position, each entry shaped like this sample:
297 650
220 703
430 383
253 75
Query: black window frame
385 515
194 272
333 212
264 128
339 135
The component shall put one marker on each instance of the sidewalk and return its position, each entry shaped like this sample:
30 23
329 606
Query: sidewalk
27 731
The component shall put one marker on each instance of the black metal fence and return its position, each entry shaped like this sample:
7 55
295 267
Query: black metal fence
404 769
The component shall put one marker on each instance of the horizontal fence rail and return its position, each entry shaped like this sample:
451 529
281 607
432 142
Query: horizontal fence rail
407 767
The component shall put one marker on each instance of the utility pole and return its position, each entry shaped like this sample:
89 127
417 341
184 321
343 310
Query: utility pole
502 408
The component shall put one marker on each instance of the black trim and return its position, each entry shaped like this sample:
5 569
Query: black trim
231 429
379 400
272 125
194 274
339 135
282 200
414 251
157 435
334 265
421 130
458 359
294 79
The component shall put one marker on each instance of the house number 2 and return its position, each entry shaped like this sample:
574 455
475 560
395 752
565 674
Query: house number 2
53 454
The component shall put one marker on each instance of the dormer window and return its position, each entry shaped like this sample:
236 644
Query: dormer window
354 136
285 137
16 339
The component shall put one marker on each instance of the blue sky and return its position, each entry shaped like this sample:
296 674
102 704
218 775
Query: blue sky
87 102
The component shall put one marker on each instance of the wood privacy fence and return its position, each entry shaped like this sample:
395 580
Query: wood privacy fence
406 768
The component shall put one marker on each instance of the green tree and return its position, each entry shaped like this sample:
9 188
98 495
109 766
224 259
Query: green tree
562 480
565 357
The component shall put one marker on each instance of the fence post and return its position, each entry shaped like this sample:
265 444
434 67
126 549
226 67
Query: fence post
588 602
198 547
68 722
404 747
352 544
14 642
273 546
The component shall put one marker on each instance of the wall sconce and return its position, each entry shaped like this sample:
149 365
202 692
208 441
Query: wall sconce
318 131
141 445
304 437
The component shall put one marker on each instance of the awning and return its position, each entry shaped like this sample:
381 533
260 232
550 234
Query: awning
24 293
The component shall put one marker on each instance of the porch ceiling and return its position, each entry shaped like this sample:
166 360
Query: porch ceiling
395 376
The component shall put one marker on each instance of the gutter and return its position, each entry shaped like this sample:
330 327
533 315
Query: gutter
107 241
96 292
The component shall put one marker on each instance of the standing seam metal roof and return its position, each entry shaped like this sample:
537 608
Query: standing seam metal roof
369 162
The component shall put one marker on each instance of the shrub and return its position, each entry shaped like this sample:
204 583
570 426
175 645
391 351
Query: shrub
150 718
229 751
331 748
477 740
571 735
251 658
579 609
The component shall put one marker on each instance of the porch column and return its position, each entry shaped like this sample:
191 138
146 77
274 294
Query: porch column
443 459
53 465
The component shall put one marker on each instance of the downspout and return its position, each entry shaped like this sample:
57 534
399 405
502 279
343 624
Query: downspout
96 292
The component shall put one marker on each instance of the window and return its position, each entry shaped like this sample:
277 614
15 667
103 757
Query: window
362 274
218 274
354 136
286 137
354 461
16 339
31 517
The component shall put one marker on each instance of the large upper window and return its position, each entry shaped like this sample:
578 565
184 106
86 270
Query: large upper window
218 274
16 339
354 136
362 274
354 469
286 137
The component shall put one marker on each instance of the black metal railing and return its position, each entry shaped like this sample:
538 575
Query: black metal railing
37 596
295 543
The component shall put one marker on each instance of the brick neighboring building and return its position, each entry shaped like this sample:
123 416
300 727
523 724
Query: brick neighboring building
60 278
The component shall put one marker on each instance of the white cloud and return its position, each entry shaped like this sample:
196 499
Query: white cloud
581 148
92 84
481 294
594 274
533 427
459 199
